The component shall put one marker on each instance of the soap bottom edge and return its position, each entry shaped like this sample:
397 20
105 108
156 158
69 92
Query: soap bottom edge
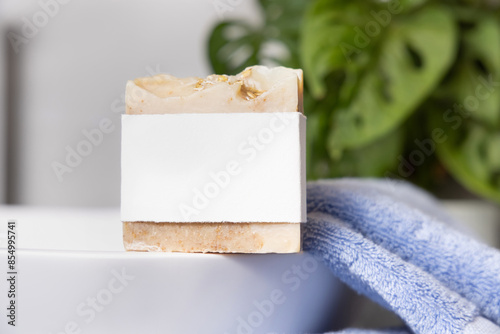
212 237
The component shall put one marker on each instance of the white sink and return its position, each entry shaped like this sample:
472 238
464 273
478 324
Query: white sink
73 276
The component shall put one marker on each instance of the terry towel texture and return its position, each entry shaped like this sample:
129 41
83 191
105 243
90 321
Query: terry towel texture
391 242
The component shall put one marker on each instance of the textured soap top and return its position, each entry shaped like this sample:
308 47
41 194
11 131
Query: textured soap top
256 89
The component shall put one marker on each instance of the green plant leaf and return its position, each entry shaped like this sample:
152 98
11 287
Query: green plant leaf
478 63
235 45
409 5
414 55
470 112
387 78
471 153
377 158
326 36
329 33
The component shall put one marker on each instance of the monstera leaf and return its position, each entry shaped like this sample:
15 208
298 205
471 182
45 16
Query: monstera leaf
235 45
471 153
376 158
384 81
469 110
473 84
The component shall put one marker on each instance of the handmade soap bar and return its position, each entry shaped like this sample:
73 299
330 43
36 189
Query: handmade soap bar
215 164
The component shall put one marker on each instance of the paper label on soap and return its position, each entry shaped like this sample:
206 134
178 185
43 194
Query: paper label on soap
220 167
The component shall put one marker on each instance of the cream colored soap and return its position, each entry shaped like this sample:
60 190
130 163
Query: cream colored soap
258 89
212 237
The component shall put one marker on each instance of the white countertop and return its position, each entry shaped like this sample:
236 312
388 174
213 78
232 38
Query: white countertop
482 218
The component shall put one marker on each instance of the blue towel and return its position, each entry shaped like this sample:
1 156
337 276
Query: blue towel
391 242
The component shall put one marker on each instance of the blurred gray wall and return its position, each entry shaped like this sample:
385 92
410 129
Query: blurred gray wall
68 77
3 120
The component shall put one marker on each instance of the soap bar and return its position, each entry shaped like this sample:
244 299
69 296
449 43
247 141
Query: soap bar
214 164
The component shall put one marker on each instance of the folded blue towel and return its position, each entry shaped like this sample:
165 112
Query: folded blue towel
391 242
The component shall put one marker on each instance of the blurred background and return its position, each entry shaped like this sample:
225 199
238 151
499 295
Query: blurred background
64 65
404 89
396 89
407 90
